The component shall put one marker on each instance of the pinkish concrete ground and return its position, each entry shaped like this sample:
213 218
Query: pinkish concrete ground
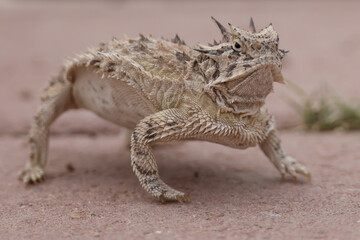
235 194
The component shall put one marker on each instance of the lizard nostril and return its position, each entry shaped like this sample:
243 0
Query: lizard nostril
256 46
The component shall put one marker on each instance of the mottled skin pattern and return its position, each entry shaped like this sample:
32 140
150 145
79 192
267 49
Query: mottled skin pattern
167 91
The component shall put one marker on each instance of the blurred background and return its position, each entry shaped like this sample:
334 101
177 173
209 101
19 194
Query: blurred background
36 36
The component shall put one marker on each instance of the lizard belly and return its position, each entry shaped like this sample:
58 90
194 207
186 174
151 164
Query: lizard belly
111 99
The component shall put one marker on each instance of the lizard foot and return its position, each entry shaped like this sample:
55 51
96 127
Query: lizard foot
158 189
291 166
33 174
173 195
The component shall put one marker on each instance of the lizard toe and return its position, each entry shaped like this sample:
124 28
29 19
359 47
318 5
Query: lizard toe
31 175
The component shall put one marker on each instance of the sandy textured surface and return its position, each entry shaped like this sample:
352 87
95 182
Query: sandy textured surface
235 194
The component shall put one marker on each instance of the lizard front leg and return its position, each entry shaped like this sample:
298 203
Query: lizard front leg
284 163
167 126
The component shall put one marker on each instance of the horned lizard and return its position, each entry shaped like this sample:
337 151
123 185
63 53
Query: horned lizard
167 91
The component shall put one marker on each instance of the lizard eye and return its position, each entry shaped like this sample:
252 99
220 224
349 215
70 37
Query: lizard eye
237 46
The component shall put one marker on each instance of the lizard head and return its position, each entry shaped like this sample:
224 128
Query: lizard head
249 62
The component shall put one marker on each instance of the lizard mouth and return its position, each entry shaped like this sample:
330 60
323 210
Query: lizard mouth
277 74
249 68
273 71
268 61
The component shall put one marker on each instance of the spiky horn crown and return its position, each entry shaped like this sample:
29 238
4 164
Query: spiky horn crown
215 49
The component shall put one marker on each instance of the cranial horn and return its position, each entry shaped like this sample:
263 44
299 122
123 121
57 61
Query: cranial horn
283 53
204 47
233 29
270 32
206 51
214 50
222 29
270 26
252 28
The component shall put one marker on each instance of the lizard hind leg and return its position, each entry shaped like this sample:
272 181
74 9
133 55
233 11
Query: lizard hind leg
56 99
161 126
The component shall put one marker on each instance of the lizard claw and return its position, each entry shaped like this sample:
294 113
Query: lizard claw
179 196
183 199
291 166
31 175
